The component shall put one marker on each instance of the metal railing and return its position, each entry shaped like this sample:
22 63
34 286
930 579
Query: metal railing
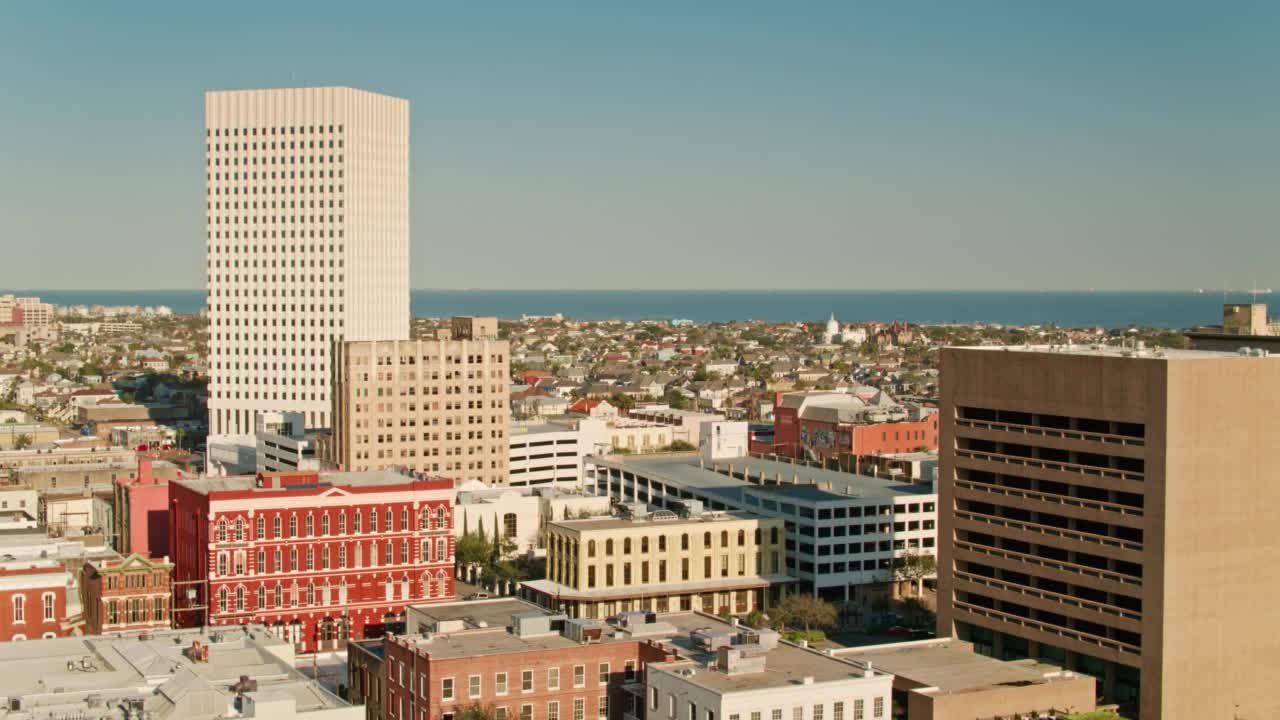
1050 564
1109 438
1050 531
1049 596
1065 500
1073 468
1068 633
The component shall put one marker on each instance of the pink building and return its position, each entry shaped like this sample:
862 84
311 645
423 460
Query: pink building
142 512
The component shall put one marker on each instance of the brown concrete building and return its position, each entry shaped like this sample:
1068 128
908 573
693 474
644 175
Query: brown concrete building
1110 510
437 406
126 594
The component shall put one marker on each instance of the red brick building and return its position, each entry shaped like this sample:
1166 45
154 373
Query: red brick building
821 425
540 675
142 511
126 594
318 557
33 600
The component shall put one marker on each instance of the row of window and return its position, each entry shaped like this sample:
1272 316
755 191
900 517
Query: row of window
475 682
230 564
312 595
818 711
428 520
283 130
48 603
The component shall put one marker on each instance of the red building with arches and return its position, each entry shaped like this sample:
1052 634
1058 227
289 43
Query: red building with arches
319 558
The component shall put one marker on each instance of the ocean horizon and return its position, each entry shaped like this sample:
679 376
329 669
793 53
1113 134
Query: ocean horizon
1108 309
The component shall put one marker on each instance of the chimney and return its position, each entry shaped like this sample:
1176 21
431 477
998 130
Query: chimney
870 670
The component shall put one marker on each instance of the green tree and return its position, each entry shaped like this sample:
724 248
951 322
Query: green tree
476 711
755 619
22 442
915 567
622 401
805 610
700 373
472 549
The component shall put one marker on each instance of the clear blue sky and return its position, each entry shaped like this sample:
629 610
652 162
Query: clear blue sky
1067 145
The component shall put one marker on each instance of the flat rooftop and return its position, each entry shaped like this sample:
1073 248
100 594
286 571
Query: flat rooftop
1147 353
493 613
794 481
785 665
619 523
952 666
61 672
520 430
362 478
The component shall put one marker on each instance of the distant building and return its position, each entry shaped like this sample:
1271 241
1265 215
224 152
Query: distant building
1244 325
552 453
687 424
438 406
823 425
283 443
662 561
33 599
142 510
338 272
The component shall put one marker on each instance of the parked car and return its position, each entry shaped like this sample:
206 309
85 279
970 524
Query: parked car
478 596
922 634
899 631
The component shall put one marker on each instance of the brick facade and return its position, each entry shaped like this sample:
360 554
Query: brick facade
126 595
319 558
33 601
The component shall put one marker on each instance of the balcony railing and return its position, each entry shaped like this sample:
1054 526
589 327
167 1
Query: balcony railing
1051 531
1068 633
1073 468
1065 500
1050 564
1053 597
1052 432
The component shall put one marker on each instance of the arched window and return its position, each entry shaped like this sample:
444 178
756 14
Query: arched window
373 520
311 593
355 522
19 608
311 558
706 539
626 546
261 527
293 526
324 524
644 544
440 518
662 543
684 541
509 526
293 559
239 529
240 598
342 556
326 598
608 547
311 525
275 527
442 550
404 519
262 596
47 605
324 558
388 587
404 587
342 591
773 535
724 538
279 595
342 522
442 582
758 536
222 599
424 521
222 531
742 538
591 548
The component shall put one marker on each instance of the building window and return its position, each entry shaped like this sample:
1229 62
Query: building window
858 710
603 712
819 711
222 599
630 671
500 713
222 531
239 529
526 712
311 525
591 548
293 526
473 686
261 526
509 526
579 709
446 689
877 706
837 711
500 683
579 676
47 601
240 598
275 527
324 524
553 678
112 612
553 710
19 608
604 673
526 683
262 597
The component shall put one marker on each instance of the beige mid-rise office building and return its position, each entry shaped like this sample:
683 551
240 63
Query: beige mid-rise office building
439 406
307 207
1113 511
662 561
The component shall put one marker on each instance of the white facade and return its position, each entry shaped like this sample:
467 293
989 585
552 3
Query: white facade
307 242
282 444
552 453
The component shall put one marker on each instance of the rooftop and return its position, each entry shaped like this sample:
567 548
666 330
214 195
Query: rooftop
791 481
363 478
652 520
92 677
952 666
1117 351
474 613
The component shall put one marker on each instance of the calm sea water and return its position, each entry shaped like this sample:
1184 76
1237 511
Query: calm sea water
1072 309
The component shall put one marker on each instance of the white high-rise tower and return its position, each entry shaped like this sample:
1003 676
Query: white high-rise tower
307 196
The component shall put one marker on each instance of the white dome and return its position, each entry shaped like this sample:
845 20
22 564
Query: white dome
833 326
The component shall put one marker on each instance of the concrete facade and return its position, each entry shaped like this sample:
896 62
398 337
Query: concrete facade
1106 509
438 406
